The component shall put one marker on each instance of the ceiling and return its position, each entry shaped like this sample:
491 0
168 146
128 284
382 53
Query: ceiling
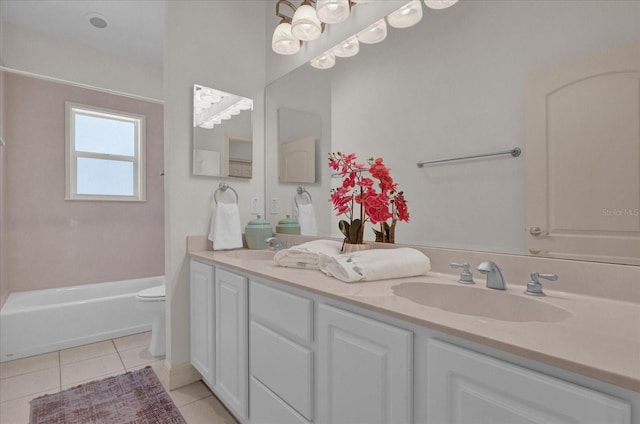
135 27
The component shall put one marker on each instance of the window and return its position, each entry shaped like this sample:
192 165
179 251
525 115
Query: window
105 154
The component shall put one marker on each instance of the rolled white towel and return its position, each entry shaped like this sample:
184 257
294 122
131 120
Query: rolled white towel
377 264
310 255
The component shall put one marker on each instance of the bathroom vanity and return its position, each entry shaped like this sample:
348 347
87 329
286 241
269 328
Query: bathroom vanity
282 345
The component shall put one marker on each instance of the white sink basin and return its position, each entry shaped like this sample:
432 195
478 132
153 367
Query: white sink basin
476 301
251 255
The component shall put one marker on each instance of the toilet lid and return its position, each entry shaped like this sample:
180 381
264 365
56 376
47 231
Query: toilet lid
153 292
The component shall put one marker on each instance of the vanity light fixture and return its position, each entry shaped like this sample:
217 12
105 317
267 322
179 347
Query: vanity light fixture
333 11
439 4
348 48
407 16
324 61
374 33
283 41
211 106
305 24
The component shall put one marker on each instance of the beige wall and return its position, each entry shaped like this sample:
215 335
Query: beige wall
54 242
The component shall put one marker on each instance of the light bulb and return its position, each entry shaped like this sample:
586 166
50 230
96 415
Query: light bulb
332 11
440 4
408 15
305 25
374 33
349 47
324 61
283 41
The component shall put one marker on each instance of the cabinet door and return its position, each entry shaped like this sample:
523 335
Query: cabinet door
364 369
231 370
202 319
468 387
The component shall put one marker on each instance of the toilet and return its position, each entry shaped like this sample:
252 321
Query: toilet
152 301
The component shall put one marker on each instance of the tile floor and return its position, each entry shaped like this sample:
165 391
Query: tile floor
24 379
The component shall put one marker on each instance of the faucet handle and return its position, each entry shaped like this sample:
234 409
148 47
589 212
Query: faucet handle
534 288
466 277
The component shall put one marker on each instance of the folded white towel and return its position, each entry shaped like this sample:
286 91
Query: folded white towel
310 255
307 220
226 231
377 264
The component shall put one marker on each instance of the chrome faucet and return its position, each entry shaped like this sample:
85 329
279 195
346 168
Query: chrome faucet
275 243
495 280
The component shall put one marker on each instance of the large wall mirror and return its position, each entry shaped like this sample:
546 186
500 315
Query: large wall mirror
222 133
460 89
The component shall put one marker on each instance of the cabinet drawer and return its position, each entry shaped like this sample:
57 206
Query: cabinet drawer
282 311
267 408
283 366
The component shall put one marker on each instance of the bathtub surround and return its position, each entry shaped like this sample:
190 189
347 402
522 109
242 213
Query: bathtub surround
136 396
73 242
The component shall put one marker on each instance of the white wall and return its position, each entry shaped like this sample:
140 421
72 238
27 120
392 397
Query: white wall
67 60
219 44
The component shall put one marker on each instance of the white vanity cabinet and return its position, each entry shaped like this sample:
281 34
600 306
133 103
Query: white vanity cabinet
466 387
282 358
365 369
219 333
202 319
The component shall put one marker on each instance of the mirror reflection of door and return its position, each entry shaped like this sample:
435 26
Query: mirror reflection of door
222 133
299 133
582 152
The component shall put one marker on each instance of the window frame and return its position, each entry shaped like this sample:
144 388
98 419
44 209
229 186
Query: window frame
72 155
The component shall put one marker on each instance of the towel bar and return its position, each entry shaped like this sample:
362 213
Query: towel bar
223 187
513 152
300 191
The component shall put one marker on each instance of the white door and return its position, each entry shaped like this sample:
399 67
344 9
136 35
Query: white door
364 370
231 368
465 387
583 158
202 319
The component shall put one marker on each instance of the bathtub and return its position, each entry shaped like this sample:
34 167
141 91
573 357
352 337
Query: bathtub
40 321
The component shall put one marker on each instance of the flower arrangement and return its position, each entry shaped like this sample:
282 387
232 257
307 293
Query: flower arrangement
377 196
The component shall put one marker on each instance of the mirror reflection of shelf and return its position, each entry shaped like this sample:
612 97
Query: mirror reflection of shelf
240 168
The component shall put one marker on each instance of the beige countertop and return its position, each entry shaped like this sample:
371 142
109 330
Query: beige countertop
599 338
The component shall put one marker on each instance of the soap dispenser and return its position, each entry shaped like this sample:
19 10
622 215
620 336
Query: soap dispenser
256 232
288 226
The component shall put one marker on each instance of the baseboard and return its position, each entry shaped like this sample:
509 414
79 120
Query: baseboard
178 376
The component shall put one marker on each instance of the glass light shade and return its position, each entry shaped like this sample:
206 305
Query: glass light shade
440 4
332 11
324 61
408 15
305 24
283 42
362 1
374 33
349 47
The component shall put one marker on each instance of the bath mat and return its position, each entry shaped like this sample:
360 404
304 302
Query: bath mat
134 397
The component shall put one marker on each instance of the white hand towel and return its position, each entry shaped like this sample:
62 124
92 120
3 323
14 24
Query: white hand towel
310 255
307 220
377 264
226 231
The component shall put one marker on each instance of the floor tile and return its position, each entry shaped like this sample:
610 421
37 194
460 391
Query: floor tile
80 353
132 341
137 356
89 380
30 364
90 369
206 411
26 384
157 366
190 393
17 411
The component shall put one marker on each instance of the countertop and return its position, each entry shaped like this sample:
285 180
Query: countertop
599 338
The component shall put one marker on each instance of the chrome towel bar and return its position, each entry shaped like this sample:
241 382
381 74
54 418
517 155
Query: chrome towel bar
223 187
515 152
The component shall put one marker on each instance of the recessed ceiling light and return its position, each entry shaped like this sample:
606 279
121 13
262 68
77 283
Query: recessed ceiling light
97 20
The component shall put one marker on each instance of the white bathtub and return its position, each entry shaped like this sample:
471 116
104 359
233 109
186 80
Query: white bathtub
40 321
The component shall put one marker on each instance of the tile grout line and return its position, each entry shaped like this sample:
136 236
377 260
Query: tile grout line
119 356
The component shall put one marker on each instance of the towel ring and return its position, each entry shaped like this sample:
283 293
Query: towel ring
223 187
301 191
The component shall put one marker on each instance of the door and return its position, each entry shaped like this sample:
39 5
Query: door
231 330
364 370
202 319
582 158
